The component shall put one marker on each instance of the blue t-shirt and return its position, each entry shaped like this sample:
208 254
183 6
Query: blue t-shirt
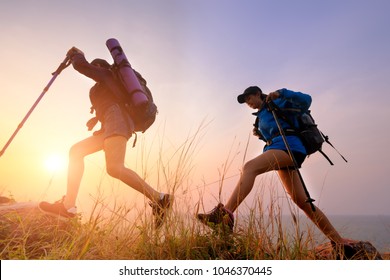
267 125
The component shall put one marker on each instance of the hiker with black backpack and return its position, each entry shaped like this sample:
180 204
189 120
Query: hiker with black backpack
283 152
117 126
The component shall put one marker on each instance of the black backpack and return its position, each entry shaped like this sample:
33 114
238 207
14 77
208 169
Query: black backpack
312 138
145 115
142 116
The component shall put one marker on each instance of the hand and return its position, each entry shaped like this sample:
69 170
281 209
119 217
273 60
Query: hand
256 133
73 51
272 96
91 123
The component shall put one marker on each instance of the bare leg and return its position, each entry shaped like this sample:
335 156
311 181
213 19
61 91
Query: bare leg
294 188
115 150
269 160
77 154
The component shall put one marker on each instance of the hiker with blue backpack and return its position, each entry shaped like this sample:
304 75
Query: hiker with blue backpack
284 152
117 126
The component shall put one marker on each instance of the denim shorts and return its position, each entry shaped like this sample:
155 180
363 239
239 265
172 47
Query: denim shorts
117 123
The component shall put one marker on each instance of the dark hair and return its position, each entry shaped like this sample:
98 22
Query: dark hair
101 62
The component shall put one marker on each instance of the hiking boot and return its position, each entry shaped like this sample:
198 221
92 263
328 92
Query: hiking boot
160 208
218 216
57 209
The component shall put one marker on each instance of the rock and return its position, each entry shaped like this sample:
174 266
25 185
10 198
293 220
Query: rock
355 250
19 207
5 200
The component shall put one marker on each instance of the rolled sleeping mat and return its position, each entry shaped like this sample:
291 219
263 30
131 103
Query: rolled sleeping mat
127 75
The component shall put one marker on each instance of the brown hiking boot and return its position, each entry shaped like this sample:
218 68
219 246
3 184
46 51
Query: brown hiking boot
160 208
218 216
57 209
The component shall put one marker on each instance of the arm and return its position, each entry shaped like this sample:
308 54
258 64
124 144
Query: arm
296 99
98 74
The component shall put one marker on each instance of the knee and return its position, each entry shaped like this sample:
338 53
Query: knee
247 167
75 153
300 203
250 168
303 204
115 170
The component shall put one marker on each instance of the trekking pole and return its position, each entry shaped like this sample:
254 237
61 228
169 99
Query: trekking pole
273 109
62 66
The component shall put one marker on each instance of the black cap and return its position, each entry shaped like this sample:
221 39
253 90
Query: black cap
249 91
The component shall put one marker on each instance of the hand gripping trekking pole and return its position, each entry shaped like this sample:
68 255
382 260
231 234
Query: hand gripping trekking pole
62 66
272 106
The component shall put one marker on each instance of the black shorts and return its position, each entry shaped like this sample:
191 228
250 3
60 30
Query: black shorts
299 158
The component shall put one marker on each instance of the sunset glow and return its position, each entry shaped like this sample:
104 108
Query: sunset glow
55 163
197 56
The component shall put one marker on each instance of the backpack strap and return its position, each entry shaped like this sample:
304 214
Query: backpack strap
135 138
325 156
280 113
327 141
256 130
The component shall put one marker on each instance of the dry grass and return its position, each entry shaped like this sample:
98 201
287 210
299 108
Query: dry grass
29 234
125 232
32 235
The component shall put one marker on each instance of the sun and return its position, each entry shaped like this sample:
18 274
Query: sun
55 163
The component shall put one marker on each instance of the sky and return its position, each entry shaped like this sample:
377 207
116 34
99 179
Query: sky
197 56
